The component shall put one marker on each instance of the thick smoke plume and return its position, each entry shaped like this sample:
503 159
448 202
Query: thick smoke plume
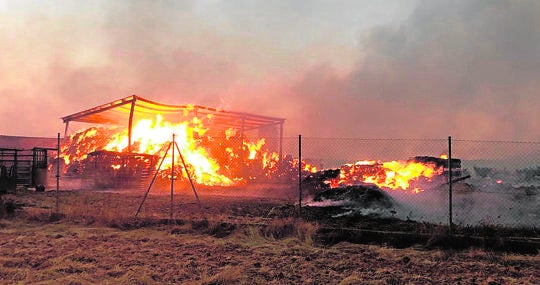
465 68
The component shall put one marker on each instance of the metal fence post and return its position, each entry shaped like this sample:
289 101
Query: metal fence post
57 173
450 225
299 175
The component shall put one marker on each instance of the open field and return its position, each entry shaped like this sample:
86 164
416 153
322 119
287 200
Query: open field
230 240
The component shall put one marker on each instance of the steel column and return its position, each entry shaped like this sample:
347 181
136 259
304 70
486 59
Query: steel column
130 123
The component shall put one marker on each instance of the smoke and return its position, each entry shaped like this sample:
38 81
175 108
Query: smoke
332 69
477 202
466 68
61 58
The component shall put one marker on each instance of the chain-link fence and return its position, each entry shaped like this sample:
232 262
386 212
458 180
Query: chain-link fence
504 188
492 183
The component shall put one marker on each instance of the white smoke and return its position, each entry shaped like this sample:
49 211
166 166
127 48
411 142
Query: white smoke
475 202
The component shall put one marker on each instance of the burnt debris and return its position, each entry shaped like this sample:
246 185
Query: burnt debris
364 196
319 179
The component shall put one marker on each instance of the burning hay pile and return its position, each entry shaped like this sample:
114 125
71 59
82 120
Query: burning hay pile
368 186
418 189
215 147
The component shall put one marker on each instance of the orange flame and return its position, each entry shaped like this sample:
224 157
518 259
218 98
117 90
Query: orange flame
231 159
388 175
153 136
210 161
254 148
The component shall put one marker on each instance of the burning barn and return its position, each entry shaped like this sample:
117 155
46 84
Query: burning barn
121 143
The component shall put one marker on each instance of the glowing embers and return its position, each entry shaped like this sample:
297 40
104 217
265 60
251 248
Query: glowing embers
404 175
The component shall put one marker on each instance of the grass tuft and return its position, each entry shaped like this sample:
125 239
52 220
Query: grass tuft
351 280
279 228
228 275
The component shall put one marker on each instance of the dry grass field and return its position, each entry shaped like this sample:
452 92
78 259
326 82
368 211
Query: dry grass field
229 240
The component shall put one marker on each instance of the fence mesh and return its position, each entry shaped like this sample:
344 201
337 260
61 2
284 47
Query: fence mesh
494 183
504 184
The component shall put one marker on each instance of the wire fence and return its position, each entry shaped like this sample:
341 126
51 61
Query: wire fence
492 182
495 183
504 188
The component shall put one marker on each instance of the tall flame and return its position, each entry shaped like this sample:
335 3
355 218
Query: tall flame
209 162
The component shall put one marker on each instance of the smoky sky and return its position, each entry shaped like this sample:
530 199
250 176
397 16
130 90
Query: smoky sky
397 69
462 68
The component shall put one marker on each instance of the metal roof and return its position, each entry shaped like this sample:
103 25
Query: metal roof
118 113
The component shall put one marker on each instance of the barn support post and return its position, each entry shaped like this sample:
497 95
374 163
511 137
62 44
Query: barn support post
130 122
66 129
450 224
242 155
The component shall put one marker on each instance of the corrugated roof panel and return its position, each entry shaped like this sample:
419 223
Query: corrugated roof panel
117 112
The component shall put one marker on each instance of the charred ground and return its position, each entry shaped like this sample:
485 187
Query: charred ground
235 239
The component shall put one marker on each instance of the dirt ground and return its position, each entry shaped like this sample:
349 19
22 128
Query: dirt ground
95 238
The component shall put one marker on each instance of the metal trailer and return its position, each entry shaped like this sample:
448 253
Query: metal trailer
23 167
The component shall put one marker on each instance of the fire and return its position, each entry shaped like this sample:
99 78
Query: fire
84 142
254 148
228 158
209 160
270 161
230 132
388 175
